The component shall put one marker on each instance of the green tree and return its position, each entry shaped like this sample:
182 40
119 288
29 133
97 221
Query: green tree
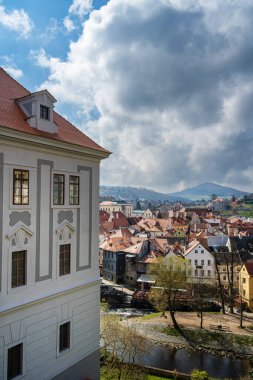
170 274
123 346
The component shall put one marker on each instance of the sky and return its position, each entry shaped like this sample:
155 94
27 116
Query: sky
166 85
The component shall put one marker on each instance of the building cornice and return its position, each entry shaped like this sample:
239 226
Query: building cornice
14 138
40 301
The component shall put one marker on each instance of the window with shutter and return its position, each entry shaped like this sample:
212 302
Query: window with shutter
15 361
64 338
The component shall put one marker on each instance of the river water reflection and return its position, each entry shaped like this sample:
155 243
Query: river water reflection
185 361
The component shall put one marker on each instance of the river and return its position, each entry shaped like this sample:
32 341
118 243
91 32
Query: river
186 360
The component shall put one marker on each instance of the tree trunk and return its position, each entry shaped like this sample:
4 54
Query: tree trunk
201 314
230 273
220 286
174 321
241 326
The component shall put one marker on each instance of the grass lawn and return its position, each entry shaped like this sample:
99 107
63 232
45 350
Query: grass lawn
205 336
152 315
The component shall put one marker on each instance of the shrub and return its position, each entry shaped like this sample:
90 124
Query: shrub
199 375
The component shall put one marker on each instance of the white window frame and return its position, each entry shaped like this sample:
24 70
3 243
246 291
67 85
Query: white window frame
66 204
6 348
58 352
21 288
17 206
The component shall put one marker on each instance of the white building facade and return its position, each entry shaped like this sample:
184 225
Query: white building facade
49 279
202 263
110 206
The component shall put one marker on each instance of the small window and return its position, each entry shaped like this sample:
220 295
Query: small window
20 187
244 280
18 269
59 184
15 361
64 338
202 250
196 272
44 112
224 278
196 262
73 190
202 262
196 251
202 273
64 259
208 262
209 273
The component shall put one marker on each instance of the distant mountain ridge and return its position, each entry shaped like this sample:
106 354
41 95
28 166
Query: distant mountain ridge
203 191
206 190
130 193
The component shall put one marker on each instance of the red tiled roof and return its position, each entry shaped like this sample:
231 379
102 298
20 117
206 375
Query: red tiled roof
11 116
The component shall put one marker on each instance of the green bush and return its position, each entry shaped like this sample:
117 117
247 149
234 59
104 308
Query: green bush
199 375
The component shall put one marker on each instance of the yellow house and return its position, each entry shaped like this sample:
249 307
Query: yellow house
246 284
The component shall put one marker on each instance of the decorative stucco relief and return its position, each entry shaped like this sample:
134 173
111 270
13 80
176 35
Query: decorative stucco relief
20 216
65 215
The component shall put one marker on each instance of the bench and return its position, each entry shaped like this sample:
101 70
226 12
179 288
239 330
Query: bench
220 328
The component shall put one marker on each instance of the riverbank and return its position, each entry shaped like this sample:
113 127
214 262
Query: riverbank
237 343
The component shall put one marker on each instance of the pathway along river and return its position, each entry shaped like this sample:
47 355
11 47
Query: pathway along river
185 361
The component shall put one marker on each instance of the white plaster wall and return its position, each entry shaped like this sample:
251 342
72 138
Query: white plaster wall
44 220
202 256
37 327
26 159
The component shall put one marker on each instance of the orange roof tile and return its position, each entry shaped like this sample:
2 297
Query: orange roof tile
116 244
11 116
151 258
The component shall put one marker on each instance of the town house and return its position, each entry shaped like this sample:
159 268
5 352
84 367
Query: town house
202 262
246 284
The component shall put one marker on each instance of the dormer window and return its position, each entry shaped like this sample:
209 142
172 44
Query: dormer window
44 112
38 109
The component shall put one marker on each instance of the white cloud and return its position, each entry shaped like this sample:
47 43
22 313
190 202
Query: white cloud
80 7
172 82
53 27
17 20
69 24
13 71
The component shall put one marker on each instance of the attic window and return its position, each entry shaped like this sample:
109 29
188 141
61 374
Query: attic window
44 112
